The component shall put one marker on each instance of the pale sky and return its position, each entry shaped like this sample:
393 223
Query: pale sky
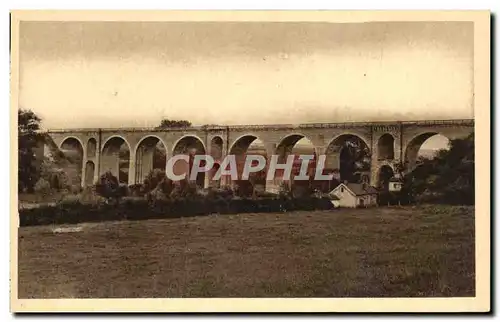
95 74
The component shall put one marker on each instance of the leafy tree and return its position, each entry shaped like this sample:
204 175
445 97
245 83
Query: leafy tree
225 193
243 188
166 186
184 189
42 187
109 187
28 127
354 160
447 178
54 169
169 124
159 158
157 185
152 180
301 189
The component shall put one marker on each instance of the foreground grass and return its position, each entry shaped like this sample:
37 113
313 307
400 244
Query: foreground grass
390 252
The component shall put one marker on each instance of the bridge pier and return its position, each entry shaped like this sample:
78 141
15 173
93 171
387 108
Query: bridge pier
132 168
84 168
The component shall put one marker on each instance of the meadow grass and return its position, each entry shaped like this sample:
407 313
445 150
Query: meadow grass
377 252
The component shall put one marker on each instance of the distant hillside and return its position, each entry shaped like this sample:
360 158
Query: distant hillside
427 153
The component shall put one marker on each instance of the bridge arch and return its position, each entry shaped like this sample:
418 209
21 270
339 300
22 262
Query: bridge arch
115 136
297 144
191 145
344 136
217 153
150 154
186 141
292 138
385 147
348 155
91 148
115 158
289 141
70 137
243 145
412 149
216 147
159 139
72 149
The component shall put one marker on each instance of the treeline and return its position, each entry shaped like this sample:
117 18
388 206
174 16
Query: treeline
159 197
448 178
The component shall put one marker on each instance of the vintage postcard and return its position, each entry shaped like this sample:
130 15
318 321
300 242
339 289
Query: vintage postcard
250 161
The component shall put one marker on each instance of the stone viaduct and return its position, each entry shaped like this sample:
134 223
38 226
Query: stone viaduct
388 142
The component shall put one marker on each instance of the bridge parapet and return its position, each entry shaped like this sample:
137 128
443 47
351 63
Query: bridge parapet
456 122
440 122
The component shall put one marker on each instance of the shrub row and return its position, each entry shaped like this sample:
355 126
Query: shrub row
137 209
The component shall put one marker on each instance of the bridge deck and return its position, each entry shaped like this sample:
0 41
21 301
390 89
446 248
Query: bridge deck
273 126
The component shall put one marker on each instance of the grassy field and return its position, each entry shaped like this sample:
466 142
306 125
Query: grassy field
380 252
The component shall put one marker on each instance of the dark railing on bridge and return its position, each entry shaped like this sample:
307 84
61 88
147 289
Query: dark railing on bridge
272 126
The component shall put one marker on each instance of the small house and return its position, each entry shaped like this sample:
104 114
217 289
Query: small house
335 201
355 195
395 184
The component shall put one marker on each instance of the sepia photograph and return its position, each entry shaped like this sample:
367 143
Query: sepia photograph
325 160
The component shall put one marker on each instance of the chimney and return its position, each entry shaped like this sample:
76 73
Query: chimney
346 182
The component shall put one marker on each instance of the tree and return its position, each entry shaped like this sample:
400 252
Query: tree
169 124
28 127
53 169
184 190
42 187
447 178
156 180
354 160
109 187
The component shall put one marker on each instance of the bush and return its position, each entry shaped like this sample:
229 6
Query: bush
123 190
152 180
301 190
55 182
69 199
75 189
243 188
73 210
184 189
42 187
89 196
157 194
109 187
165 185
136 190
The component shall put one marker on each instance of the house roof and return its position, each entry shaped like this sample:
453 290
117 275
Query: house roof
359 189
330 196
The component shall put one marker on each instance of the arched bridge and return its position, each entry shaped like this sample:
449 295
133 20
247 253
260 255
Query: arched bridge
388 142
